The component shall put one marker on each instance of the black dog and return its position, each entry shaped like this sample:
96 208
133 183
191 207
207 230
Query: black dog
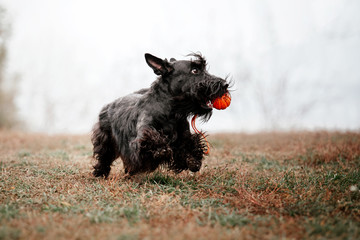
150 127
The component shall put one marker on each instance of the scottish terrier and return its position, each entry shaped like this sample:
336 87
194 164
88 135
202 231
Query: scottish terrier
150 127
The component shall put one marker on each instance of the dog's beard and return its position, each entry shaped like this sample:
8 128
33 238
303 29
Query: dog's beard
207 92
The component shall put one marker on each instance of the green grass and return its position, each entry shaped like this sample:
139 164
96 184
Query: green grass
288 191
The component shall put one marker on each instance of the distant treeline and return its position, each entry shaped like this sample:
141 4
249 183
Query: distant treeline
7 94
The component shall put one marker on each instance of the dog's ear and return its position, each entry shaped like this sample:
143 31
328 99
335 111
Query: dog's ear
160 67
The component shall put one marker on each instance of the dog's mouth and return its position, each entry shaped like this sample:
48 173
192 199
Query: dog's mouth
208 105
219 103
209 94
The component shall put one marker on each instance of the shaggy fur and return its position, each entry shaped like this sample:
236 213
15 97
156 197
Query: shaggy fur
150 127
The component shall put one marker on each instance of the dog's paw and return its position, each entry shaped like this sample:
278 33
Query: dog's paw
193 164
163 153
101 172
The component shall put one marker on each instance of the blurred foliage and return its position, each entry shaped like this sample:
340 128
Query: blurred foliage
7 105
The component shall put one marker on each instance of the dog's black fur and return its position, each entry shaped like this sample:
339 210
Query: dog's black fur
150 127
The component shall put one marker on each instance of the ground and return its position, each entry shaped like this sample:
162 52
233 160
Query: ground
300 185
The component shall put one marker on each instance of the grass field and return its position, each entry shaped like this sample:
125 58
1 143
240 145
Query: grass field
262 186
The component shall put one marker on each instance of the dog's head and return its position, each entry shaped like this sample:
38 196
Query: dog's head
189 83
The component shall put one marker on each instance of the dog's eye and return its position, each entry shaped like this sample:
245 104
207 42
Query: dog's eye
195 71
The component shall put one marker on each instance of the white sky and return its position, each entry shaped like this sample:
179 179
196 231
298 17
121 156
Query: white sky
295 63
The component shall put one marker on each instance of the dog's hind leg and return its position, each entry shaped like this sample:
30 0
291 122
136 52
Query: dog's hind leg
104 151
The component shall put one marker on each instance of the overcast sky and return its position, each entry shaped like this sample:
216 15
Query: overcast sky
295 64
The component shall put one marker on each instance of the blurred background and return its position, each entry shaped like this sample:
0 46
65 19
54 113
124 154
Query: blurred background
295 64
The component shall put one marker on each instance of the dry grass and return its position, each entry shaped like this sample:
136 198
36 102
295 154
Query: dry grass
265 186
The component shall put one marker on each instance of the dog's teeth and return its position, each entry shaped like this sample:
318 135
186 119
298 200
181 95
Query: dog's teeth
209 104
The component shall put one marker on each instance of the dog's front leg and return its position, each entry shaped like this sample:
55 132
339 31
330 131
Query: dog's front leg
148 150
154 149
197 149
188 149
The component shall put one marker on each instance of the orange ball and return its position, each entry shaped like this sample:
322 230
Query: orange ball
222 102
